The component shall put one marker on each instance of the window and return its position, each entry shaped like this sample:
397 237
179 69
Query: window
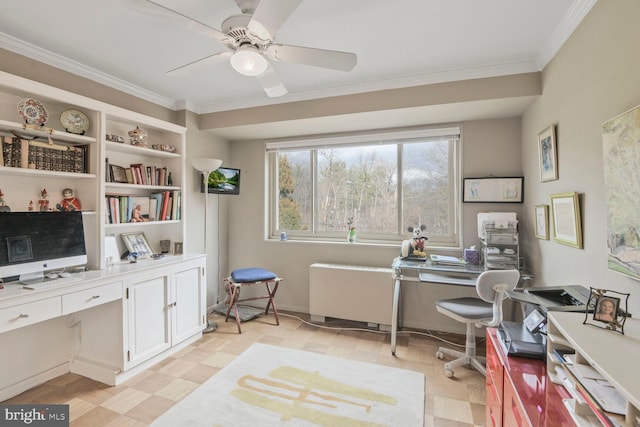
381 182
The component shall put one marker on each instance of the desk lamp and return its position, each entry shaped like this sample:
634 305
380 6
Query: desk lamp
206 166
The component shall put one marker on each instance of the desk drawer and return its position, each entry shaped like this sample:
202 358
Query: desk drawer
27 314
88 298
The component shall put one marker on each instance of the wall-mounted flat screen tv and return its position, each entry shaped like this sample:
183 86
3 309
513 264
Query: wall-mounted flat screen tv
223 181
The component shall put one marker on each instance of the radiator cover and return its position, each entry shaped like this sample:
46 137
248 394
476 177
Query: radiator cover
363 294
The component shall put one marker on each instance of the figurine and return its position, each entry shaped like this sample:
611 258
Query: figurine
136 214
69 202
44 203
30 208
3 206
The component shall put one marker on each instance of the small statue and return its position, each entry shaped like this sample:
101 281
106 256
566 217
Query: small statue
69 202
30 208
3 206
43 202
136 214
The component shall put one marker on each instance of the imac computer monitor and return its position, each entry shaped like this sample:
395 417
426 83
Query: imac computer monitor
32 243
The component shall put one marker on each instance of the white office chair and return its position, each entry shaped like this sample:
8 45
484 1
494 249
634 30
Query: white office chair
477 312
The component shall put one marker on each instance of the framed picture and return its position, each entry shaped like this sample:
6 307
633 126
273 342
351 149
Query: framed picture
565 211
137 243
493 190
621 150
608 308
547 154
118 174
541 218
177 248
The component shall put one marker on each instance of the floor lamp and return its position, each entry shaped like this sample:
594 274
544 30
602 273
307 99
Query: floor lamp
206 166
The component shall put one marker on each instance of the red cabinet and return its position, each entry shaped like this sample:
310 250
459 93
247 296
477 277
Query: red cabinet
517 391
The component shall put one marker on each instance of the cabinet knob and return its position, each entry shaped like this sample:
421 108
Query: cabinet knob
23 316
95 297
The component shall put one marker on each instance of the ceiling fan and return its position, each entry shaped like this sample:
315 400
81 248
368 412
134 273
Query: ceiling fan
250 40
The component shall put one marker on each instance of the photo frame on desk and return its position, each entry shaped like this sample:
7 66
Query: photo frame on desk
493 190
607 309
137 243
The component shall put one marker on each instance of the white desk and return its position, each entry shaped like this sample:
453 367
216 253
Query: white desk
108 327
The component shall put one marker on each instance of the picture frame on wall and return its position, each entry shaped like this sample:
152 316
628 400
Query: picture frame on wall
565 211
541 221
547 153
493 189
621 151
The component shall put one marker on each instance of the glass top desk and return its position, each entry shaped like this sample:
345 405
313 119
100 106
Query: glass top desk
426 271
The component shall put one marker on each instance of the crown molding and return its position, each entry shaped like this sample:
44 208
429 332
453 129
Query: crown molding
570 21
36 53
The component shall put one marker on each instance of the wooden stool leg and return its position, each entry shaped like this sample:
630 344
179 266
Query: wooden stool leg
271 302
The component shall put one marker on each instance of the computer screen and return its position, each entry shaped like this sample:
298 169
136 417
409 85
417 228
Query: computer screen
34 242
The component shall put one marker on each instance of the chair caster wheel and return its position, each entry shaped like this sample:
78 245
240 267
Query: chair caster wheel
448 373
439 355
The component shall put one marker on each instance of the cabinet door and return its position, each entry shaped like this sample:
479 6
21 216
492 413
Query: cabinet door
188 312
513 414
494 385
148 320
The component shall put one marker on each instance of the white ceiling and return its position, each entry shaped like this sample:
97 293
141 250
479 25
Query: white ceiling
399 43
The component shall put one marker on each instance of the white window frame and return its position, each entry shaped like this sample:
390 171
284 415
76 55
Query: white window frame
393 136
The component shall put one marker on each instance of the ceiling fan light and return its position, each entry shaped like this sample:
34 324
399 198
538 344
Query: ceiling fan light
249 62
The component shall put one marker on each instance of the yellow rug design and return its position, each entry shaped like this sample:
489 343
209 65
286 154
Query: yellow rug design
275 386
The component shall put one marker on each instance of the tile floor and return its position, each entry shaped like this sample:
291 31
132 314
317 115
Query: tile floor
449 402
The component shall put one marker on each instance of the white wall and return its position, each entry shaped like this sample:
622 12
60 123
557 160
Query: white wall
593 78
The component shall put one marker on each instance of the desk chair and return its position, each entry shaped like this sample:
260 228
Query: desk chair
251 276
477 312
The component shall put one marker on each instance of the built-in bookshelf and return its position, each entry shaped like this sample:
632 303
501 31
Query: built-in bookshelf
44 158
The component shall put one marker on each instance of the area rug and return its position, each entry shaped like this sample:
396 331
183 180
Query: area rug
274 386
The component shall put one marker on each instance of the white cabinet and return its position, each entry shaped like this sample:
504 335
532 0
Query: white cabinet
612 355
148 309
164 307
90 184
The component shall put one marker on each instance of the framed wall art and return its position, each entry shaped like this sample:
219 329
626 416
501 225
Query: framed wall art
565 211
541 221
621 155
547 154
493 190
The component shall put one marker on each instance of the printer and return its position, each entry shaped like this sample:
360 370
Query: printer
528 338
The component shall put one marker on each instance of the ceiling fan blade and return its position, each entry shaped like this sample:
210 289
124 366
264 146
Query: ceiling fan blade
269 17
152 8
271 83
199 63
336 60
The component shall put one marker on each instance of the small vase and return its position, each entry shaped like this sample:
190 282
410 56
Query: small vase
351 237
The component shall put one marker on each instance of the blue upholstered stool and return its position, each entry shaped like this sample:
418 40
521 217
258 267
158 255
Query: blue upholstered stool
251 276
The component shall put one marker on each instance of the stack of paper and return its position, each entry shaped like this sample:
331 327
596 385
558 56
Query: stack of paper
447 260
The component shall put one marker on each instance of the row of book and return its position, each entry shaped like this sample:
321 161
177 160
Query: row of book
22 153
159 206
138 174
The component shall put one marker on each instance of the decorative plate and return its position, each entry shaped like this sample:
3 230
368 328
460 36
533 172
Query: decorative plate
74 121
32 112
